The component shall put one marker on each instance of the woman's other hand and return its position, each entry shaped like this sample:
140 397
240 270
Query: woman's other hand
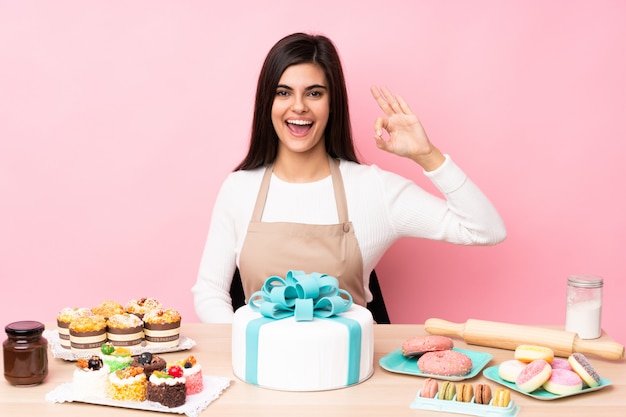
407 137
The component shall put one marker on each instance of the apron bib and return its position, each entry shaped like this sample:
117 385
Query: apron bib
275 248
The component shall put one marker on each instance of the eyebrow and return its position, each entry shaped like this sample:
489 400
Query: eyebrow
309 88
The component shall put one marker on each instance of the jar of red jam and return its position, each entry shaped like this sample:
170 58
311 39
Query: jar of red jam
25 353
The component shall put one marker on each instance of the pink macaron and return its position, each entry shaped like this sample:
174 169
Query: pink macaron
534 375
429 389
563 381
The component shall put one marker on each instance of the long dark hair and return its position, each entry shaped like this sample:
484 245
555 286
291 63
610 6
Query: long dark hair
299 48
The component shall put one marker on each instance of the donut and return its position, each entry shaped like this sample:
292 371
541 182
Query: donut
464 392
416 346
563 381
445 363
447 391
501 397
558 363
583 368
529 353
483 394
429 389
509 370
534 375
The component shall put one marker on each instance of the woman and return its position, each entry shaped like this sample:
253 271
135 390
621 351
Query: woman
300 199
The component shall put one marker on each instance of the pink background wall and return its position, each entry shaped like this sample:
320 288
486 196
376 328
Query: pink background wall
119 120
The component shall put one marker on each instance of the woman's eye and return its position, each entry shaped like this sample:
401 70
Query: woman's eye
315 93
282 93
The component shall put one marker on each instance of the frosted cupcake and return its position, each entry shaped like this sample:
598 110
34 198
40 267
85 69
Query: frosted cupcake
108 308
115 357
91 378
125 330
141 306
162 327
64 318
168 387
129 384
88 334
193 374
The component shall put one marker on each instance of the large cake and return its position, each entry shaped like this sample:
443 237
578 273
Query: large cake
302 333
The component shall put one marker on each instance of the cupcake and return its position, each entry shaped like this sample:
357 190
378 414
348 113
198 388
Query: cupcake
162 327
168 387
125 330
90 379
193 374
64 318
128 384
115 357
88 334
141 306
108 308
149 363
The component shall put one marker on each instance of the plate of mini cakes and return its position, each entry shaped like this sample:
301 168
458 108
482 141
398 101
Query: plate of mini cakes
141 325
146 382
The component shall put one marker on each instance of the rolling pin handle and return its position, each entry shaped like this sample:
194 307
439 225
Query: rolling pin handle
443 327
603 348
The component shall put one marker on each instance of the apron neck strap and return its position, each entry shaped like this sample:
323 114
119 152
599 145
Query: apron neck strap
340 193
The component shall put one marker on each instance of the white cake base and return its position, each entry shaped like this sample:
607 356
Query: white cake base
305 355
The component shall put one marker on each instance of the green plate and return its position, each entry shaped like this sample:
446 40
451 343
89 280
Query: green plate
398 363
540 394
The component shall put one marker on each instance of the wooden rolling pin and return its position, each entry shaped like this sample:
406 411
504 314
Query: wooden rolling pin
509 336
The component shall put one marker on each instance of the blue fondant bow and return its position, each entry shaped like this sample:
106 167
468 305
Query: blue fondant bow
300 295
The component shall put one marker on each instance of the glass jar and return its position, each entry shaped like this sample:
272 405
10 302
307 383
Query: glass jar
25 353
584 306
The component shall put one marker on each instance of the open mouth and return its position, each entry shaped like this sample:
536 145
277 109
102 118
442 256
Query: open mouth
299 127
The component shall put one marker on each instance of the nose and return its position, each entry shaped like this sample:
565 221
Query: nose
298 105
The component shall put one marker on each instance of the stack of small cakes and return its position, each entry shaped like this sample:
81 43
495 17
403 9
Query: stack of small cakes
141 319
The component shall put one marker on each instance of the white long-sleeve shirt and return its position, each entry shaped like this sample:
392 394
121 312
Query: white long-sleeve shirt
382 206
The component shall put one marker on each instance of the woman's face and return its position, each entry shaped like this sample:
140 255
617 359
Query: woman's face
301 107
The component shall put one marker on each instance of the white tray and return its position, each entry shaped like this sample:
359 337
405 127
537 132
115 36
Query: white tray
471 408
194 405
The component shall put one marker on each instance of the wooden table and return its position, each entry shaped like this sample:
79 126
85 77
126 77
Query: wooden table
384 394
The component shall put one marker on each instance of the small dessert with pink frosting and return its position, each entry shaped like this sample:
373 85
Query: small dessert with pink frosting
534 375
563 382
445 363
193 374
510 370
417 346
430 388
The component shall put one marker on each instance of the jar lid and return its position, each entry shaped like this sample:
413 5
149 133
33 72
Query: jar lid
585 281
24 328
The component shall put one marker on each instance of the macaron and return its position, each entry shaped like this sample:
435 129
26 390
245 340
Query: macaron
417 346
534 375
501 397
529 353
583 368
464 392
509 370
447 391
482 394
429 389
563 381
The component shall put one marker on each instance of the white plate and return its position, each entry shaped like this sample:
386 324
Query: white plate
60 352
194 405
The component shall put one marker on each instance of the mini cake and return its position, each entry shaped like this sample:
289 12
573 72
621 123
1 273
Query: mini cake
193 374
141 306
88 334
149 363
168 387
115 357
125 329
162 327
64 318
91 378
128 384
108 308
